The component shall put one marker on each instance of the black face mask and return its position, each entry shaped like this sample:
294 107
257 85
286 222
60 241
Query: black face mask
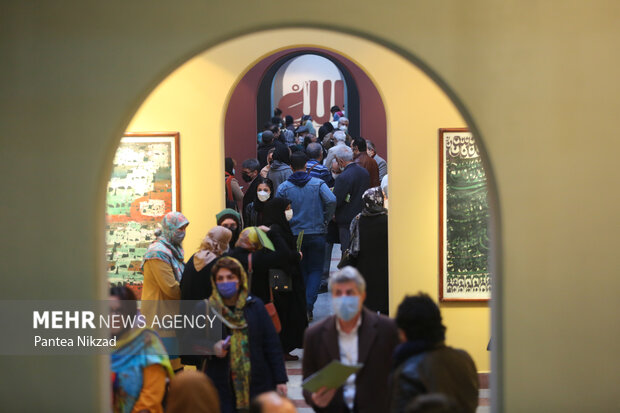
246 177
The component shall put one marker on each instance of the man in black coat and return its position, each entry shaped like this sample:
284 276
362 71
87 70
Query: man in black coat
263 147
355 335
425 365
350 185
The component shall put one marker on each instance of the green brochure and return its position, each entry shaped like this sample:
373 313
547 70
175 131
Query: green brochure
331 376
300 238
264 239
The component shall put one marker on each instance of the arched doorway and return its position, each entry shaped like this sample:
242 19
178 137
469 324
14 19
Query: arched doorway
415 108
253 91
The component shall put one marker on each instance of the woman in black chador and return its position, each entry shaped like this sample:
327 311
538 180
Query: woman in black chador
291 306
369 249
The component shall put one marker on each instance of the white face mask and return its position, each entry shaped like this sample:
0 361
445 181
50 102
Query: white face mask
343 128
262 195
385 203
288 214
233 171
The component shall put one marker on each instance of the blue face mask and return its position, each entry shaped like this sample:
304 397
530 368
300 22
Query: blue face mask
346 306
227 289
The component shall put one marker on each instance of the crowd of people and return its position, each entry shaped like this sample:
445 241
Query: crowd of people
260 270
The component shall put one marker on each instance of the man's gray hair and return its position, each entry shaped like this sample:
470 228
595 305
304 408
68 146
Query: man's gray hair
343 152
370 145
348 274
314 150
342 118
252 164
340 136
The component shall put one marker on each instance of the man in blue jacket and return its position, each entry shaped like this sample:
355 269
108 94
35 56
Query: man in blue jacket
349 188
313 206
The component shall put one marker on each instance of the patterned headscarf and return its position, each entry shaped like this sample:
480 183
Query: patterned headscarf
163 248
239 343
372 205
212 246
249 240
134 351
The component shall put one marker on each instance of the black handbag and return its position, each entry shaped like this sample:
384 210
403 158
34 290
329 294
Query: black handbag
280 281
346 259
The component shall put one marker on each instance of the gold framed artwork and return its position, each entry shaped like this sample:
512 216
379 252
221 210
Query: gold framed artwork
143 187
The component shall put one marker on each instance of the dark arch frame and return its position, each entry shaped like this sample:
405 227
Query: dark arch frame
240 137
263 99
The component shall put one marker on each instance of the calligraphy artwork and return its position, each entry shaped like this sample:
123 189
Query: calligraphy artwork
463 219
309 85
144 186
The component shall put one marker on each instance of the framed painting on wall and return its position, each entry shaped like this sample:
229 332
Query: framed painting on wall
463 219
143 187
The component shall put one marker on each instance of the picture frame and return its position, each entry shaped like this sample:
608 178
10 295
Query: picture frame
144 185
463 219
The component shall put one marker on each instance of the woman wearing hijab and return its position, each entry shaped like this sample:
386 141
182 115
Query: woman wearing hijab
291 306
253 213
139 363
369 248
251 361
231 219
196 281
249 249
163 269
280 167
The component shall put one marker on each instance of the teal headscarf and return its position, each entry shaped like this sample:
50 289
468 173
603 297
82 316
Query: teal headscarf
164 249
139 349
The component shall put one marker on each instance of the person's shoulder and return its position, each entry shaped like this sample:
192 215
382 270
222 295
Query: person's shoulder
321 326
315 181
284 186
382 321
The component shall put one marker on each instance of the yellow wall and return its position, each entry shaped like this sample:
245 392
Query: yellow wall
537 79
193 101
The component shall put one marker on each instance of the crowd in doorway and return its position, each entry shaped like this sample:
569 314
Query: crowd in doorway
260 269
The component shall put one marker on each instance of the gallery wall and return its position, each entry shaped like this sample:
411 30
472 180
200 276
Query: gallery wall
192 100
538 80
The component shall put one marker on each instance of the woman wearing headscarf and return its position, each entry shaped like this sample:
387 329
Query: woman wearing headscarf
291 306
196 281
257 260
251 361
253 213
369 248
163 269
280 167
231 219
139 363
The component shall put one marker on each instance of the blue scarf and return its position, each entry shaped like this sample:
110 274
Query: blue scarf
137 350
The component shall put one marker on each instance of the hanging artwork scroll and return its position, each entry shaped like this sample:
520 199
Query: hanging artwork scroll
463 219
144 186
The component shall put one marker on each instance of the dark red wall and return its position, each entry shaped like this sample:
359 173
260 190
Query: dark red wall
240 122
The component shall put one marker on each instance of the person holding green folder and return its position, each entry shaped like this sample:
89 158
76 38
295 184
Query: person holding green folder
356 338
